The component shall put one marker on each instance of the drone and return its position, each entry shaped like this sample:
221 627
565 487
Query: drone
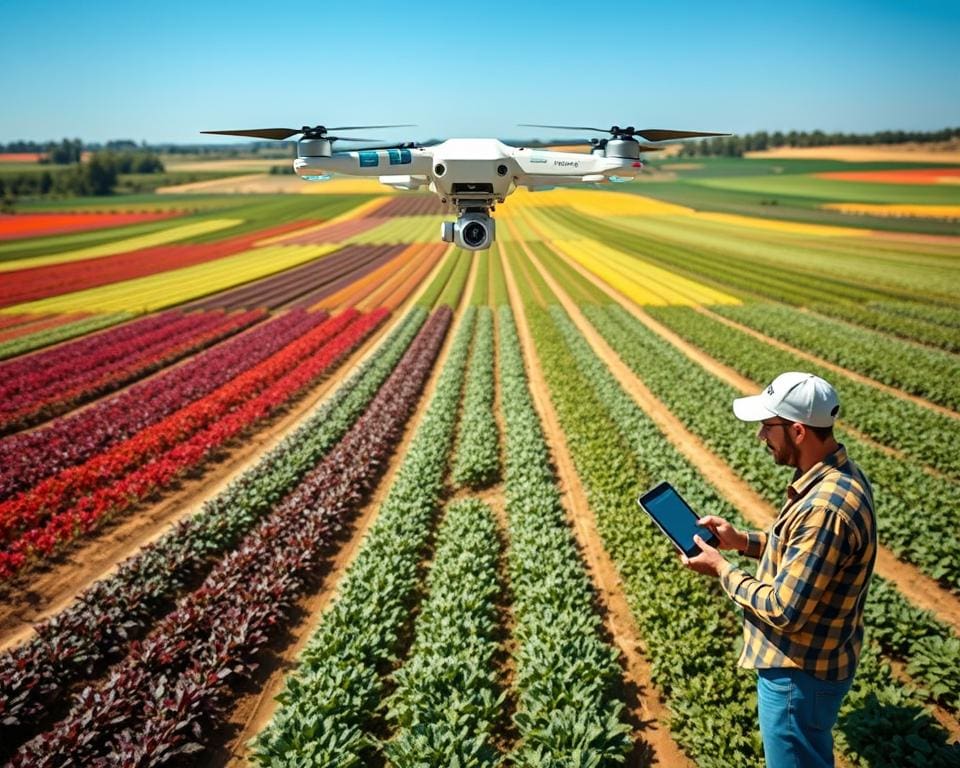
472 175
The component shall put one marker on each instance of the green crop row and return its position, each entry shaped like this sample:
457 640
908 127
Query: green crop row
458 279
328 707
919 513
877 315
445 706
688 623
429 297
712 703
924 435
498 284
477 458
928 373
481 286
567 676
45 338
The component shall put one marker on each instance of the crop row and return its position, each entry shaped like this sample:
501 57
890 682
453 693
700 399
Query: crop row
61 332
26 459
899 321
567 676
169 234
159 702
476 461
929 373
920 511
904 631
108 364
72 504
458 278
445 707
328 704
306 283
924 435
176 286
107 616
55 279
687 622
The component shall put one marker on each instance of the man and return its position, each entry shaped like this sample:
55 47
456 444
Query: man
803 612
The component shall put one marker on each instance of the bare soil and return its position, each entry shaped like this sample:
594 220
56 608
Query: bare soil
652 739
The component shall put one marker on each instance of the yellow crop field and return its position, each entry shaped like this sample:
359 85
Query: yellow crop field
163 237
146 294
644 283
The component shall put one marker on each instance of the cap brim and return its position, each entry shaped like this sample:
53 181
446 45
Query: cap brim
751 409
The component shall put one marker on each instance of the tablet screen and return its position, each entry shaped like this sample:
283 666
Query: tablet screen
675 517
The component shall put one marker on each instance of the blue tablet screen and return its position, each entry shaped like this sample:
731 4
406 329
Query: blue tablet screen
676 518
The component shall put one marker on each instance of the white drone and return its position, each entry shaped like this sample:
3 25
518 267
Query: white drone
471 175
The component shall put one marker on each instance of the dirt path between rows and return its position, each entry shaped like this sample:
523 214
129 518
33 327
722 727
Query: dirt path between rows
920 589
50 590
252 712
653 741
858 377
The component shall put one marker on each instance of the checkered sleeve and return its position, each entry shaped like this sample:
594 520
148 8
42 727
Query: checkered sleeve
756 543
813 553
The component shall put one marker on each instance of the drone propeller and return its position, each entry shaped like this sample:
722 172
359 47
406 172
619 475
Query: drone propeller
316 132
650 134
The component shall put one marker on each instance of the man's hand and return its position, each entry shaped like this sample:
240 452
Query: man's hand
730 537
709 562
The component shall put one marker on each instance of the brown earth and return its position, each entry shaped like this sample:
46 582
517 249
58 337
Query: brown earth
652 739
920 589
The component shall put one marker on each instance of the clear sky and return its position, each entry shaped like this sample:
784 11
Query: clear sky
162 71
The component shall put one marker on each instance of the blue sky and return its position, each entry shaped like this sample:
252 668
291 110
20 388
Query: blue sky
163 71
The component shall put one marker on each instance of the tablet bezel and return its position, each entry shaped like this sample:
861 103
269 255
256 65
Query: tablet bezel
710 537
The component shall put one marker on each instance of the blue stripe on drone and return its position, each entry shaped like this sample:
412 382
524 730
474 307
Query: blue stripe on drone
399 156
369 159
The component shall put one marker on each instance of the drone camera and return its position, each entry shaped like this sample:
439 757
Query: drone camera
471 231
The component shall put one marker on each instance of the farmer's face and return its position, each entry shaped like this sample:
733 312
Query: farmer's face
778 434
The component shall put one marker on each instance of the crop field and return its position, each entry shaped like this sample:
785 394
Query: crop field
286 481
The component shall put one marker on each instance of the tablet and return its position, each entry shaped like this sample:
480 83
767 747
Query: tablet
675 518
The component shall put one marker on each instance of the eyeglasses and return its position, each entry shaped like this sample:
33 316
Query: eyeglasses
771 425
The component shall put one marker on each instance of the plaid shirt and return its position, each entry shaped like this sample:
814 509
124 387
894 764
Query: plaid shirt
804 609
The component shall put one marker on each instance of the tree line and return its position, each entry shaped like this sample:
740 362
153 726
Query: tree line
95 176
735 146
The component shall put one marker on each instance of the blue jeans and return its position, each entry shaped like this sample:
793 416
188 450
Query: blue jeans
797 715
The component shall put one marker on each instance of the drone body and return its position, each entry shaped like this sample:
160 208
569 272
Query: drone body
471 175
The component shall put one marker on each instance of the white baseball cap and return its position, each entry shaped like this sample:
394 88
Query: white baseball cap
793 396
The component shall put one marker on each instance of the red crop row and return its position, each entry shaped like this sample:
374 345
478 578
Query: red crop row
154 705
28 458
106 486
37 224
105 618
60 491
42 394
40 282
